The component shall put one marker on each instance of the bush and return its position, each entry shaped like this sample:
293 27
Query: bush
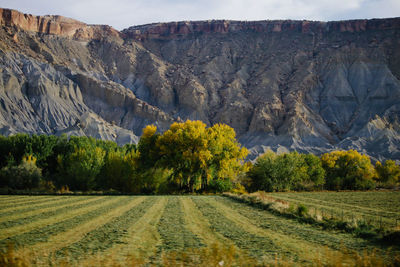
24 176
302 210
220 185
285 172
79 168
388 173
348 170
365 230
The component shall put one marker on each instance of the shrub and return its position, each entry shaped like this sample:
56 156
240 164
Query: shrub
388 174
220 185
80 168
24 176
302 210
348 170
284 172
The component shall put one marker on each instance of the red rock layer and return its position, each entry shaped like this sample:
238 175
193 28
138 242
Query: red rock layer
57 25
163 30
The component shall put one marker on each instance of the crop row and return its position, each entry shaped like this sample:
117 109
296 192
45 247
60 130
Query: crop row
377 208
108 234
42 234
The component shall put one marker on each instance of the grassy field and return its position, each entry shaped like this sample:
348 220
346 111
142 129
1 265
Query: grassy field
86 229
378 208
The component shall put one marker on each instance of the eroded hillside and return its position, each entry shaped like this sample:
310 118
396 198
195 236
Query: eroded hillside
309 86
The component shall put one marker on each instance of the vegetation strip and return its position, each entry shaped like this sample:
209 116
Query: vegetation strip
26 218
336 202
4 199
382 210
300 249
385 236
110 233
198 224
338 208
256 245
26 211
28 204
348 214
173 230
279 224
86 224
141 239
41 230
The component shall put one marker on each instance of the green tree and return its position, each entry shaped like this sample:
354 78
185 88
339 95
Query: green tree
193 154
120 171
348 170
388 174
24 176
80 168
287 171
227 157
315 172
184 149
263 174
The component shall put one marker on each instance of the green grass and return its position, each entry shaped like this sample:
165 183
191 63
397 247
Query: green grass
377 208
171 227
256 245
87 228
24 216
108 234
309 233
42 234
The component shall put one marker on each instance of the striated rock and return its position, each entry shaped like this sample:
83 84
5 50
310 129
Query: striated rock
182 28
57 25
89 124
283 85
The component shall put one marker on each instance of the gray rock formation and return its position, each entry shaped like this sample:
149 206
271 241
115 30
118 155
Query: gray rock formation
283 85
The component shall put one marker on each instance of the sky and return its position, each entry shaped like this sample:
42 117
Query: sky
122 14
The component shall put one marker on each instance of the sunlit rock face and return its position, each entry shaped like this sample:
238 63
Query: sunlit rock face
284 85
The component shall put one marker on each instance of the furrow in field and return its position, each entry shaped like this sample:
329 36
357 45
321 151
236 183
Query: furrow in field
309 233
141 239
28 203
8 198
39 227
63 233
200 226
380 201
337 206
280 244
254 244
173 229
55 209
110 231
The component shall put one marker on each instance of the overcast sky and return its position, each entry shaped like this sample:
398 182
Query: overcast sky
124 13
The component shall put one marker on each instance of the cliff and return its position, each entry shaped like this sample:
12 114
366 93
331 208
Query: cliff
174 29
57 25
283 85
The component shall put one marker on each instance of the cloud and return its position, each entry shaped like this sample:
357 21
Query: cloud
125 13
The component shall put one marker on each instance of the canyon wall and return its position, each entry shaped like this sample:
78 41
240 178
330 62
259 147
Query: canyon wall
283 85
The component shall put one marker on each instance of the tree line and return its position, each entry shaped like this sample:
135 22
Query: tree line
188 157
337 170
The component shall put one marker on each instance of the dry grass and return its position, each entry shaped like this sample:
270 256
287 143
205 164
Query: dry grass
19 229
73 235
214 255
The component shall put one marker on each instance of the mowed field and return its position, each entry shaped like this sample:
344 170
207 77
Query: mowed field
381 209
84 228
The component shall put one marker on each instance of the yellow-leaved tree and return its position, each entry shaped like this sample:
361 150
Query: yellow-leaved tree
194 154
120 171
348 170
388 173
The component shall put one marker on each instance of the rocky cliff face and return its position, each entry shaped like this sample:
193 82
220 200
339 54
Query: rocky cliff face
284 85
